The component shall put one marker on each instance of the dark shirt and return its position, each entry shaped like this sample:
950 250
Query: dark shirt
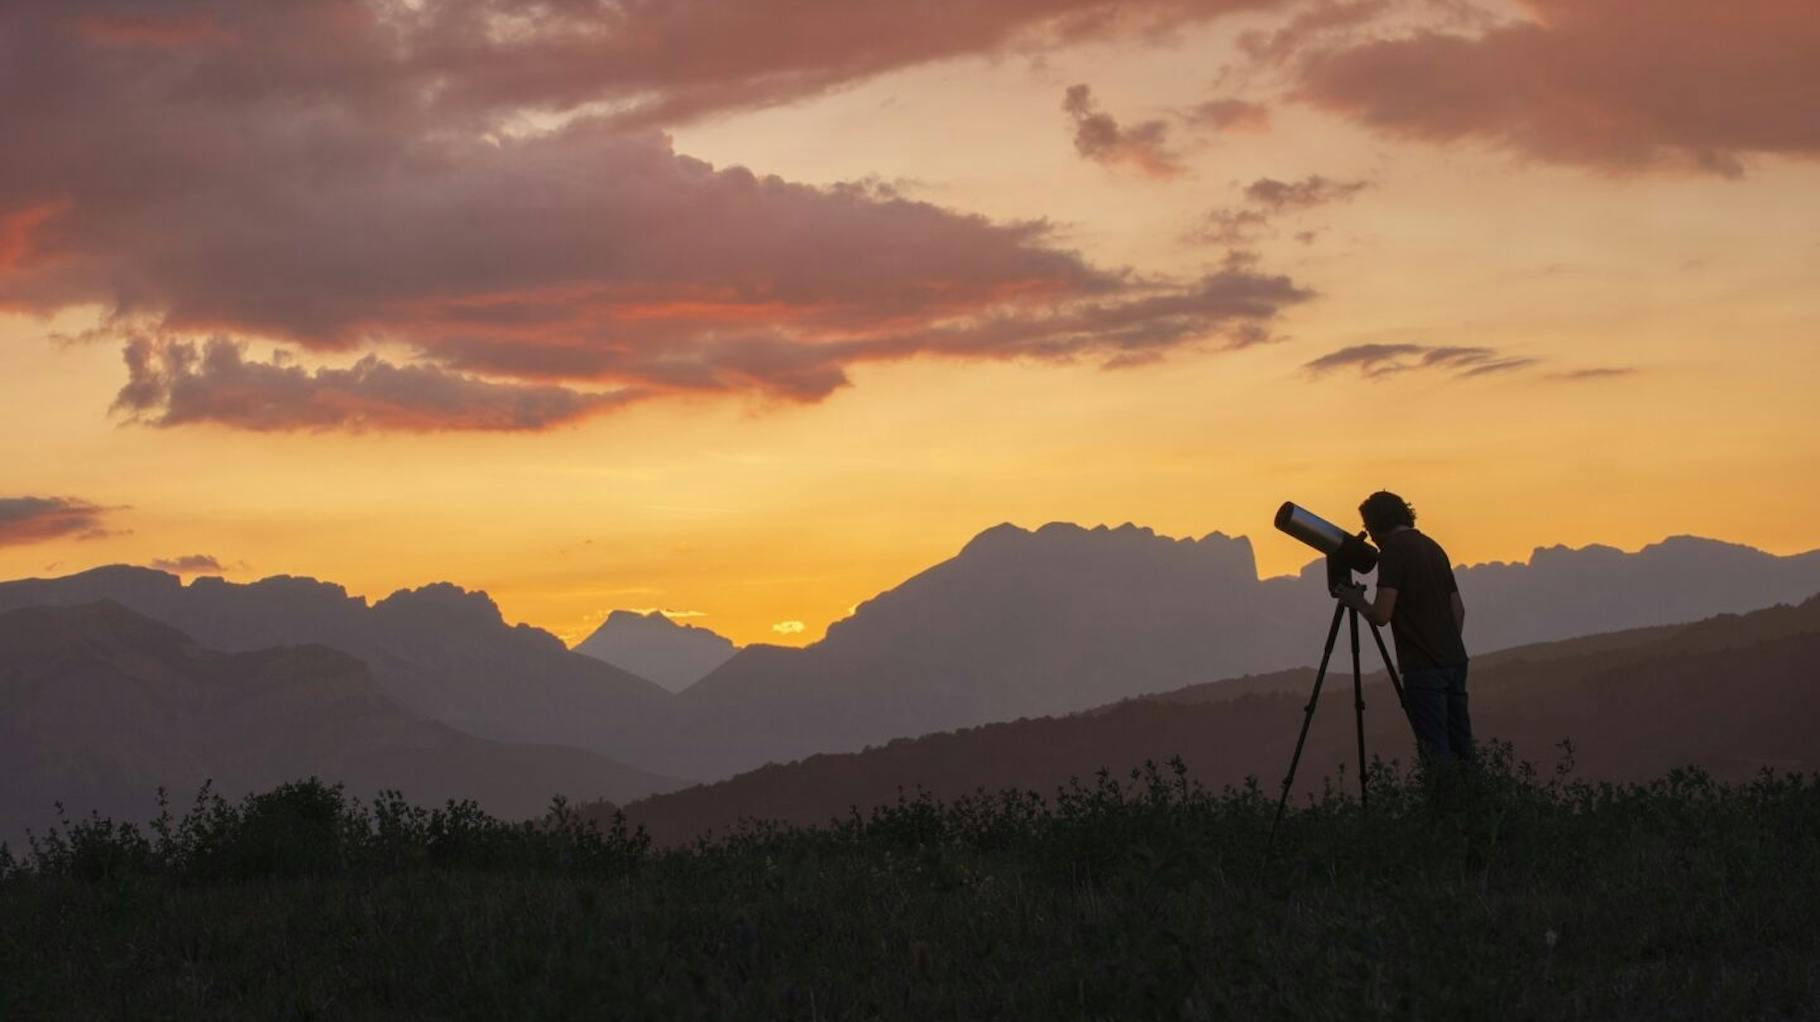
1422 620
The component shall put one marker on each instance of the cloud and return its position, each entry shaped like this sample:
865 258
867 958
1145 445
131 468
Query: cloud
345 180
1098 137
174 384
1312 191
188 564
788 627
1595 373
1230 114
1229 227
1376 361
26 520
1680 84
1319 20
1266 199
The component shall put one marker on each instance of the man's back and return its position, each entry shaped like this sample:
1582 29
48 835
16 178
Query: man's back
1422 620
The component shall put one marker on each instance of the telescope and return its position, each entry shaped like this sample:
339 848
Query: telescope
1346 553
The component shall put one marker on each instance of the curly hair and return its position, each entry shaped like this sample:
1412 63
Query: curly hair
1385 510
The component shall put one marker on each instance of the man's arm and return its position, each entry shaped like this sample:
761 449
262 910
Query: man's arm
1459 611
1376 611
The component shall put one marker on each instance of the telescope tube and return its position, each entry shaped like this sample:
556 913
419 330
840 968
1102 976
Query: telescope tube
1311 528
1340 546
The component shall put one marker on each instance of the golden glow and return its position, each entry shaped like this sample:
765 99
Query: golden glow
756 516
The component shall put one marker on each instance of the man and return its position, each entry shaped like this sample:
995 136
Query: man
1418 599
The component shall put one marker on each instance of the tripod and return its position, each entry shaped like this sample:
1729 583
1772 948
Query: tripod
1338 575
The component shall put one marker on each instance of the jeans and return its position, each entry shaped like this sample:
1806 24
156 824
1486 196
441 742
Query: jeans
1436 699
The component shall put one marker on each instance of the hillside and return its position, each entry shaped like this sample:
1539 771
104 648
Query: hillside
1061 619
1018 624
1732 694
99 706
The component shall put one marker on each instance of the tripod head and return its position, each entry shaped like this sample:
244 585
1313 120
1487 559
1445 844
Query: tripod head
1339 572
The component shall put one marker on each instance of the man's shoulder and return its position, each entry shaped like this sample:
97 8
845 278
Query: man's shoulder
1405 540
1411 543
1428 545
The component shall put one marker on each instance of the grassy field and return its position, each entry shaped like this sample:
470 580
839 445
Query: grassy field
1505 895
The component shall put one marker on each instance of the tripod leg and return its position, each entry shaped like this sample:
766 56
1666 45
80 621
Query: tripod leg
1333 633
1390 668
1358 702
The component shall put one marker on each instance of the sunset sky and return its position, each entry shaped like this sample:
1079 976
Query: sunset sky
749 309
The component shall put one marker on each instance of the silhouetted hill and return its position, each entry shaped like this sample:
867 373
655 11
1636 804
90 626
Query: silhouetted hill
100 705
1024 623
656 648
1019 623
439 651
1732 694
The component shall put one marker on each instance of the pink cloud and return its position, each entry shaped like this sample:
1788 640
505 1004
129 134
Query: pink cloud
1266 200
334 177
26 520
1614 84
1100 138
1231 114
174 384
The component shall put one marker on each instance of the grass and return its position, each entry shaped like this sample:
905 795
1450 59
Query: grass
1507 895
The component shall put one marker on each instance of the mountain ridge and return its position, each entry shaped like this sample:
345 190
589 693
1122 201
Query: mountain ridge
441 651
1027 622
1019 623
100 706
1731 693
656 648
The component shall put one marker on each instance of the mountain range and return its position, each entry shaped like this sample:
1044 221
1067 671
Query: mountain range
100 706
1062 618
439 651
1019 623
1732 694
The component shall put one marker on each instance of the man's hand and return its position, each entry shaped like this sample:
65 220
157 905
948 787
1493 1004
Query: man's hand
1376 611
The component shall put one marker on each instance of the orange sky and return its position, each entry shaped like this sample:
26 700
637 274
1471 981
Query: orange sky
758 506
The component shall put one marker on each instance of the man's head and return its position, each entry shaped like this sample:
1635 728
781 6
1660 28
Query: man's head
1383 511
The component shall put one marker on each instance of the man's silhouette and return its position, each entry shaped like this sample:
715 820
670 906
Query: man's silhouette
1418 599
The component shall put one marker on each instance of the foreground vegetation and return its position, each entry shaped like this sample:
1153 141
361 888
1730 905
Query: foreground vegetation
1503 895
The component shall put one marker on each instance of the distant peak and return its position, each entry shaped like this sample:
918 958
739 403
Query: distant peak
653 616
1065 538
1561 552
129 572
1688 542
999 535
446 597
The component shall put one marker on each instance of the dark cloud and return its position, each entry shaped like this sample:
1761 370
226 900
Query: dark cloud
1376 361
1230 115
26 520
1594 373
1691 84
1098 137
1229 227
1314 190
1266 199
189 564
173 383
345 177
